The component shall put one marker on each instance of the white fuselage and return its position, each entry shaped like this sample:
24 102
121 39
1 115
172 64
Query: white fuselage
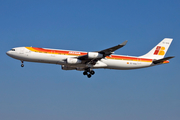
53 57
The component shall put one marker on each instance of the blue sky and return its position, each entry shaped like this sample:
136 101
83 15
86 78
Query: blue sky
44 91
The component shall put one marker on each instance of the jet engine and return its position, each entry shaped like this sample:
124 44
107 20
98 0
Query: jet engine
93 55
73 61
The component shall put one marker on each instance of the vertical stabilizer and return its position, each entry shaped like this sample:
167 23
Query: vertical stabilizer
159 51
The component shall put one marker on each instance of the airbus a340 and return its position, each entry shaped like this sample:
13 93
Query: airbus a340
87 61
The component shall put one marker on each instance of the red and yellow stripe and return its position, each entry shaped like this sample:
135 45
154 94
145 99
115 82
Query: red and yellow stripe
76 53
51 51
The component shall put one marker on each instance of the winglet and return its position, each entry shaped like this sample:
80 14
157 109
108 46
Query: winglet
124 43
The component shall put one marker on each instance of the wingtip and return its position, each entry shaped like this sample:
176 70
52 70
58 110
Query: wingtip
124 43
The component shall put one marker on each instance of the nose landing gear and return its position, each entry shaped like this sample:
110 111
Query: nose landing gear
22 65
89 72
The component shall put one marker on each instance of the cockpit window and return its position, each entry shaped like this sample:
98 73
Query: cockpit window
12 49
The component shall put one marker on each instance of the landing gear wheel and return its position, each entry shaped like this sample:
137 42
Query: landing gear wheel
89 72
84 73
89 75
92 72
22 65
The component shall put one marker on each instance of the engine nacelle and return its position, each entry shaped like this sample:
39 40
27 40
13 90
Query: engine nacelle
73 61
93 55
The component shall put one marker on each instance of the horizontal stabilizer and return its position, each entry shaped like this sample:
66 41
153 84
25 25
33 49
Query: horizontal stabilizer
162 60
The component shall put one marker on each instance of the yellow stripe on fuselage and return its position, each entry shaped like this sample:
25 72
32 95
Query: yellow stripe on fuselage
63 52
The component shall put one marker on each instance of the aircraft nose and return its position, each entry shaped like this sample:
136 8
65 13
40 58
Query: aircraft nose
8 53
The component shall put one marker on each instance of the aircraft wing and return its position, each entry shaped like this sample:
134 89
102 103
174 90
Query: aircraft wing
105 53
111 50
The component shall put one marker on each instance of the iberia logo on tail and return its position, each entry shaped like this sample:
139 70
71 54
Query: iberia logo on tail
159 50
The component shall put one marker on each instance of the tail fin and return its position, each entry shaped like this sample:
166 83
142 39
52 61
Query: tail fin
159 51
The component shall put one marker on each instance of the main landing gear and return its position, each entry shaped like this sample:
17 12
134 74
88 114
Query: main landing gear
22 65
89 72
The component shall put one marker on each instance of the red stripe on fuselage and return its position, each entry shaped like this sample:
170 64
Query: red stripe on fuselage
77 53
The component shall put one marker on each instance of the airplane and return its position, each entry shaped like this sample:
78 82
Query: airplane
87 61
